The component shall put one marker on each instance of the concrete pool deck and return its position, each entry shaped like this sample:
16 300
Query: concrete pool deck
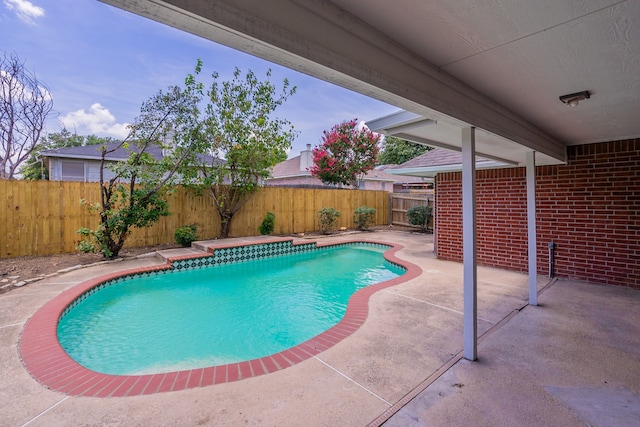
572 360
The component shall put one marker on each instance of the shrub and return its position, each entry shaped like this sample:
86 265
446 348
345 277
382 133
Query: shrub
328 219
93 242
364 217
186 234
268 223
419 216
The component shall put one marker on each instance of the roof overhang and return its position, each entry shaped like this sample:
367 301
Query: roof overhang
322 39
436 131
80 157
432 171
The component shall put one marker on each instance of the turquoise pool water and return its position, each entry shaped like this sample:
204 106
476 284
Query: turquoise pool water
218 315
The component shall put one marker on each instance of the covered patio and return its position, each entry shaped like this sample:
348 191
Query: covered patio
487 79
514 83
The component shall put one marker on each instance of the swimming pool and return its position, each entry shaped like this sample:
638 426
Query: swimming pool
220 314
50 365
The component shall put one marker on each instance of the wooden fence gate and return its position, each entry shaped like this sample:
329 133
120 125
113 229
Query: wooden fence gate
400 203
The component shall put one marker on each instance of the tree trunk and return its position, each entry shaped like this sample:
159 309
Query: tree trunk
225 224
115 248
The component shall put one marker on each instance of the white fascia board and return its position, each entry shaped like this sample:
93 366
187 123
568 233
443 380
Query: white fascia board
431 171
426 172
393 120
81 157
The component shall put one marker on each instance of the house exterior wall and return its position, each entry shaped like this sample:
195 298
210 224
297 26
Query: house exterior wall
296 181
90 170
590 209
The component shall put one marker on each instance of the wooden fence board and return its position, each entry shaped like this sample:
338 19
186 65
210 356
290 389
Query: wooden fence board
43 217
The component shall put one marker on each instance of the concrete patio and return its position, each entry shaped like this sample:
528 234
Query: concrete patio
573 360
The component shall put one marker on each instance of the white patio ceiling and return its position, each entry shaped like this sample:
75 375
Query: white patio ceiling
498 66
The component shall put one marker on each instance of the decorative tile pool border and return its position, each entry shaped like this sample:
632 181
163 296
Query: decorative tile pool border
231 254
228 255
50 365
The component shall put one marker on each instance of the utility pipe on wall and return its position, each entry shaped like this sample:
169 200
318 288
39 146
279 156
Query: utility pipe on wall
552 247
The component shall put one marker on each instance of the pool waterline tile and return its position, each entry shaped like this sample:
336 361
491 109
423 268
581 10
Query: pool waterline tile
40 332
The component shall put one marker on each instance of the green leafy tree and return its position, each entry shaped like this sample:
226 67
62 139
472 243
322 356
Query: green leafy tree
345 155
239 126
397 151
135 196
25 104
33 169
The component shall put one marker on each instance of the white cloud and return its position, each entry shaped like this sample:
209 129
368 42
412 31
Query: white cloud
18 90
25 10
97 121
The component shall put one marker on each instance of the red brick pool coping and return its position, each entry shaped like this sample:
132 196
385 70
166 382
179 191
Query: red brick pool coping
51 366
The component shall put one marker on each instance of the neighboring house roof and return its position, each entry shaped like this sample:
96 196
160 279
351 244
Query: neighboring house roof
93 152
439 160
289 168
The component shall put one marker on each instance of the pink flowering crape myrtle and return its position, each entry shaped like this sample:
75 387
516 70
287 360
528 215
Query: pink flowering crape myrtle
347 152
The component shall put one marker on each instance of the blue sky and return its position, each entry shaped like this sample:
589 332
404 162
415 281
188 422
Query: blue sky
100 63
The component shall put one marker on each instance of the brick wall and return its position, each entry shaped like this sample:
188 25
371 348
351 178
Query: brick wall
589 207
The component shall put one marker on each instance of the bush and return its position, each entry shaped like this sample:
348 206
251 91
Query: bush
186 234
328 219
364 217
268 224
93 242
419 216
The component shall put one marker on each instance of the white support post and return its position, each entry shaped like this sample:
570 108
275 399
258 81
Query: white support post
531 227
469 243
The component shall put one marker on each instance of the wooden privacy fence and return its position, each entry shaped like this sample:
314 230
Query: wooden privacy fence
42 217
399 204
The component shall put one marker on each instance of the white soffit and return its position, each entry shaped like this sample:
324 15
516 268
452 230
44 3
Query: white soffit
497 66
525 54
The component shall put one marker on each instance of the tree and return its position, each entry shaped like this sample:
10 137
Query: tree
397 151
33 169
25 104
135 196
239 126
346 154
